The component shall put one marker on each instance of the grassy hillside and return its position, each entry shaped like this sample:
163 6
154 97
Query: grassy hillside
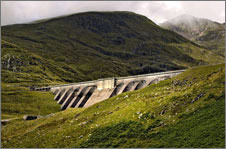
92 45
185 111
204 32
25 68
17 101
20 70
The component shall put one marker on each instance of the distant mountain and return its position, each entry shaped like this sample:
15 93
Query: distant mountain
204 32
92 45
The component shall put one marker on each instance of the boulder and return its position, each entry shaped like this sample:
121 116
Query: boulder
30 117
4 122
163 112
197 98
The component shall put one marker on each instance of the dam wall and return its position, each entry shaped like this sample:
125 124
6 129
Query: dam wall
85 94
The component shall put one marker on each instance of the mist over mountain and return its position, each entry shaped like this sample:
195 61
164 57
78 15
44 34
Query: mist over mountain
204 32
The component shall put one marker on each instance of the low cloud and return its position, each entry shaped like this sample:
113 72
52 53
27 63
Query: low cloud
159 11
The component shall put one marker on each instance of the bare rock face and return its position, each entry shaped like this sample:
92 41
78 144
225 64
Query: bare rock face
30 117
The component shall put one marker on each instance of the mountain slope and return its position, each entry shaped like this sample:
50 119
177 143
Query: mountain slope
185 111
202 31
94 45
22 66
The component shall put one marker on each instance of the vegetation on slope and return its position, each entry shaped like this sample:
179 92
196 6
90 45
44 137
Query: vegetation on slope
25 68
19 101
94 45
185 111
22 69
214 39
201 31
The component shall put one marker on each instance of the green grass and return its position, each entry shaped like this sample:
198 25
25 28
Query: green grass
19 101
195 129
185 111
22 67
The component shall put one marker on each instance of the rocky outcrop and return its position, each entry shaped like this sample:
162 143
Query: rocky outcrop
30 117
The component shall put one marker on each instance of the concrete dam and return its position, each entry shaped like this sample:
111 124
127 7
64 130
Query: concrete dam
85 94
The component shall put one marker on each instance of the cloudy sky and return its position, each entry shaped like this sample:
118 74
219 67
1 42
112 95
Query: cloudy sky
159 11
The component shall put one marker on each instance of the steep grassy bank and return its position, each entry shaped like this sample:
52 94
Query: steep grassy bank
185 111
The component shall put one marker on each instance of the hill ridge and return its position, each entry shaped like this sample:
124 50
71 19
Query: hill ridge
84 46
